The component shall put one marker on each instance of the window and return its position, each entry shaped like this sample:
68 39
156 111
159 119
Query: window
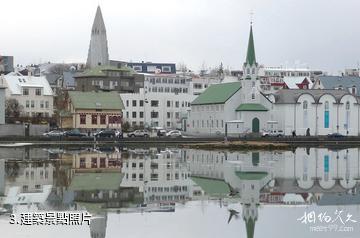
94 119
32 103
347 117
253 96
134 103
102 119
38 91
93 162
141 114
154 114
305 105
25 91
134 114
168 115
82 119
141 103
177 104
46 104
168 103
326 115
154 103
41 104
166 69
177 115
27 103
127 103
347 105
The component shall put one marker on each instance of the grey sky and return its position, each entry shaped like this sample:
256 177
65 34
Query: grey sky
321 34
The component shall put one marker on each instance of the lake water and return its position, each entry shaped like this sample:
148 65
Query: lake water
173 192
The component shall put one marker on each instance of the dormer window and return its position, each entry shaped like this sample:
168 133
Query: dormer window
353 90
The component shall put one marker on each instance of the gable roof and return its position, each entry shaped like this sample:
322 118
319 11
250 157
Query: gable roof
15 82
217 93
292 82
251 107
96 181
333 82
212 187
96 100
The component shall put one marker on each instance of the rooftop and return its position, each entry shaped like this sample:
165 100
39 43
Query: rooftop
94 181
212 187
217 93
100 71
96 100
251 107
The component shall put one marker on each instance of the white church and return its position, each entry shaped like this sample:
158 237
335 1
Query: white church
242 107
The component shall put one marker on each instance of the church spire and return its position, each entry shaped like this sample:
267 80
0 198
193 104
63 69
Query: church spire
98 50
250 56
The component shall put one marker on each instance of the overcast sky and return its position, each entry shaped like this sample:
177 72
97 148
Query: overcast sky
320 34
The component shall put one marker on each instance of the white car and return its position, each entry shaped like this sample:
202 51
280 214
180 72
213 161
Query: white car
54 133
174 133
273 133
139 133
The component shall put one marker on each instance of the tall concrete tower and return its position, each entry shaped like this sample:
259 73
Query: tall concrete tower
98 49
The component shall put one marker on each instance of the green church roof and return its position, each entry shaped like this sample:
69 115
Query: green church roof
251 175
94 181
212 187
217 93
250 56
96 100
251 107
101 71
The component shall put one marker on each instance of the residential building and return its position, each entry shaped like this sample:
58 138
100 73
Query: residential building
98 50
93 110
147 67
201 83
34 94
109 78
167 83
297 83
154 109
6 64
347 83
242 107
352 72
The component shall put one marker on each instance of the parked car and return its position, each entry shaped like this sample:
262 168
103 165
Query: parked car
108 133
336 135
139 133
74 133
54 133
174 133
273 133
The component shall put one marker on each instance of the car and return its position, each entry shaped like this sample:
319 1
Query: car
174 133
335 135
74 133
273 133
54 133
107 133
139 133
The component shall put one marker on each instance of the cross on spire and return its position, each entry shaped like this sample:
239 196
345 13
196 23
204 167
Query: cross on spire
251 17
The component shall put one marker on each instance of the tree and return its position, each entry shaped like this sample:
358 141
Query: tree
12 108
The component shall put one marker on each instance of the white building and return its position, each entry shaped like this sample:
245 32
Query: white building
167 83
242 107
168 110
34 94
163 176
201 83
2 104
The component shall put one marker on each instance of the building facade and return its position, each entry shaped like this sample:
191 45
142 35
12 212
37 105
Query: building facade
93 110
34 94
153 109
2 105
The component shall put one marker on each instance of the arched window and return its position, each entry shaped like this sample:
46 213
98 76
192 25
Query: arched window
253 71
253 96
347 105
326 115
305 105
347 117
247 71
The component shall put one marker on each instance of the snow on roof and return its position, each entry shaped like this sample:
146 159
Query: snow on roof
292 82
15 82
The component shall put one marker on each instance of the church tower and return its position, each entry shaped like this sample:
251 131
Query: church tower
98 50
250 80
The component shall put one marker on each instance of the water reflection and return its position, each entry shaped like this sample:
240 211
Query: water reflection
113 180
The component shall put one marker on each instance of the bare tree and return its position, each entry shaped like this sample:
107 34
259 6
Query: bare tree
13 108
